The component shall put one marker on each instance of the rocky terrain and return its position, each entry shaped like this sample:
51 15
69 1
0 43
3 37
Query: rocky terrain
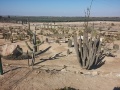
55 69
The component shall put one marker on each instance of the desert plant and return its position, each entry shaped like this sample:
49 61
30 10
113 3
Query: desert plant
34 48
109 27
69 43
29 32
57 41
112 24
11 39
109 39
41 32
4 35
28 24
88 50
118 36
47 40
35 42
116 47
1 69
80 32
21 36
68 51
67 88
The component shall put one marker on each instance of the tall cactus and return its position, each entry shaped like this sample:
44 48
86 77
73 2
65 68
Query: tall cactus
88 50
34 50
35 44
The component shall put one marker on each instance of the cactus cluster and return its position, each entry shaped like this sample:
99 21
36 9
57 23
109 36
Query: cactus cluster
13 35
88 50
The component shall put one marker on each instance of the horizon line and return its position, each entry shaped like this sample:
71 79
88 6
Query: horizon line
53 16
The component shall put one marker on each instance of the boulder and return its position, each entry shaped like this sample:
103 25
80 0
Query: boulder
10 49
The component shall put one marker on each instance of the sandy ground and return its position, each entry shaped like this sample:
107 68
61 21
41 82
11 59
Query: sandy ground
63 71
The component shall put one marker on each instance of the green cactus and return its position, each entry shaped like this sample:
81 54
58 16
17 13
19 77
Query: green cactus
34 50
1 69
36 43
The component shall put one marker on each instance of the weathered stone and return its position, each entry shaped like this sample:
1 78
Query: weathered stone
9 49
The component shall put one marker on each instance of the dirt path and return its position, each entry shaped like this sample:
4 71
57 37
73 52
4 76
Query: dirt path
51 78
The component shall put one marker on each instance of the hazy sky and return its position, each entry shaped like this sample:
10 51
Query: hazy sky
59 7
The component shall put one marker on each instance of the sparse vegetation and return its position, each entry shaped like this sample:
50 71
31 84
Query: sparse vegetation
56 63
116 47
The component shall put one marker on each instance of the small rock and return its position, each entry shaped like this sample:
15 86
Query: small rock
80 72
105 74
118 75
6 64
86 73
77 72
63 70
94 73
37 72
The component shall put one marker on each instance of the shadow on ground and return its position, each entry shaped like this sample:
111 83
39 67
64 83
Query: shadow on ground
99 63
54 57
116 88
12 69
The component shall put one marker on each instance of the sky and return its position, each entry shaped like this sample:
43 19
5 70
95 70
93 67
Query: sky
103 8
